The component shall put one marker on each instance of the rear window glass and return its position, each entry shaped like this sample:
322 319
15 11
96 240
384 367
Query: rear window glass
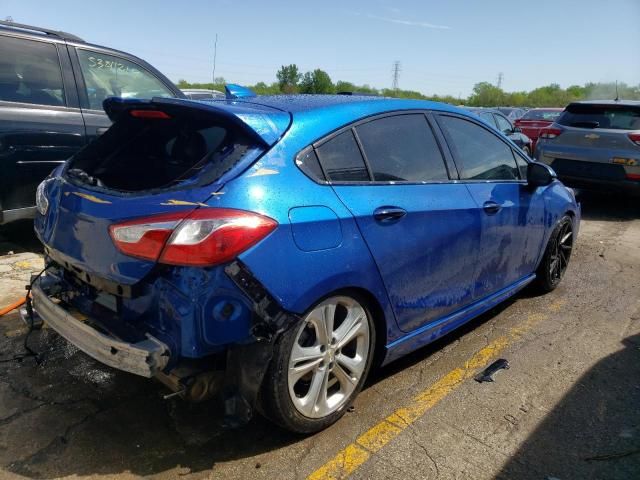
402 148
341 159
140 154
548 115
617 117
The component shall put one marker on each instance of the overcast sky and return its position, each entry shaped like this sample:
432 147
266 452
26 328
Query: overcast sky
444 47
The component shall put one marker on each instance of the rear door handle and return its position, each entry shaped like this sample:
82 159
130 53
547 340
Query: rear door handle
101 130
491 208
388 214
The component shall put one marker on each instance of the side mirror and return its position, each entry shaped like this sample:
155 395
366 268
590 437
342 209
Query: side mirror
539 174
517 130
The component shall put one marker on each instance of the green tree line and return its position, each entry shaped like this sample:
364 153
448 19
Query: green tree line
291 80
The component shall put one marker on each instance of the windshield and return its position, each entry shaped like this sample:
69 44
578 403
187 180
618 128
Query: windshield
616 117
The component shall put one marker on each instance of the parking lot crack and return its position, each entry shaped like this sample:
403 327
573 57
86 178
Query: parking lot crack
58 444
414 438
11 418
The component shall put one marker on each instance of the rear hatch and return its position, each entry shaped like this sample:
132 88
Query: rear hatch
160 156
604 127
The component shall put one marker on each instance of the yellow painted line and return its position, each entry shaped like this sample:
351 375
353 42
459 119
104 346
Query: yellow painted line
356 454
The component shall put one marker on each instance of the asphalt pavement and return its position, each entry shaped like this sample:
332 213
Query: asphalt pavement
567 408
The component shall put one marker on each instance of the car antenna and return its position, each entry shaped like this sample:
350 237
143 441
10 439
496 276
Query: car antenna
617 96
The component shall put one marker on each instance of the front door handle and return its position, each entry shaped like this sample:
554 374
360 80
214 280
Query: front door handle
388 214
491 208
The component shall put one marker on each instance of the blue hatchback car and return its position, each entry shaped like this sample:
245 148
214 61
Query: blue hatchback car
272 249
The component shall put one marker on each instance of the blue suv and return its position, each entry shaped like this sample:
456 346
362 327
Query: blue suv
273 249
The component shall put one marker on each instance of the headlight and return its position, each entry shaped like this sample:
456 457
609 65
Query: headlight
42 202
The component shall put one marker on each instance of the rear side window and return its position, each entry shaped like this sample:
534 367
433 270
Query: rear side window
341 159
618 117
480 154
109 76
30 72
402 148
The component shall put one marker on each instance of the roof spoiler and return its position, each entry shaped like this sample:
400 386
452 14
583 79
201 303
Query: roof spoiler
264 126
233 91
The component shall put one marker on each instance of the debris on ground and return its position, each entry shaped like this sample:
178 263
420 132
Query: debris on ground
486 375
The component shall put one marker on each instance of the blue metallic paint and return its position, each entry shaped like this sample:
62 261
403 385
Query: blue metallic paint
445 233
315 228
440 234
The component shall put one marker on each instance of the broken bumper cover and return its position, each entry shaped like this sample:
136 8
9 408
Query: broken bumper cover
145 358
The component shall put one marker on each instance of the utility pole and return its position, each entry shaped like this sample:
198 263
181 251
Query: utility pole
500 78
215 53
396 74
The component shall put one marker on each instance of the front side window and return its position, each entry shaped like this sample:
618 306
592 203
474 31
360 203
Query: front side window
480 154
402 148
109 76
30 72
503 124
341 159
522 166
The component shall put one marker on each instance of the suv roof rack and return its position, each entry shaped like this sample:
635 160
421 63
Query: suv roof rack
46 31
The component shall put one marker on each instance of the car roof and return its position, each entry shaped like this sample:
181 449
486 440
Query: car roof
305 103
57 36
607 102
270 116
10 26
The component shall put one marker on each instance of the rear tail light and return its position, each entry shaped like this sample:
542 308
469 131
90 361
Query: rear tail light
633 176
550 132
205 237
635 138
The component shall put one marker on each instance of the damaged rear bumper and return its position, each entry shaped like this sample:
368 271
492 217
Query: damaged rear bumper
235 373
145 358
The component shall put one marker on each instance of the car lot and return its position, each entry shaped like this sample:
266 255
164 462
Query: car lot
567 407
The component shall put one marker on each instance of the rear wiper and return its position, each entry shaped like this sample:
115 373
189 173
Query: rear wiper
586 124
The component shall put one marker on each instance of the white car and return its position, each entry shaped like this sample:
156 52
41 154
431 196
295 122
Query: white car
202 94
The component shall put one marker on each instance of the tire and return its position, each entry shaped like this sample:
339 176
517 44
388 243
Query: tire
556 256
288 392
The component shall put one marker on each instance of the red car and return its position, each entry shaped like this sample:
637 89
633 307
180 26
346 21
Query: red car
535 120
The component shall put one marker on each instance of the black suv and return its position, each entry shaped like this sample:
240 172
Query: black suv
52 85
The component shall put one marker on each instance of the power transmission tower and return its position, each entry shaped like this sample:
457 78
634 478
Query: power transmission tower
396 74
500 78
